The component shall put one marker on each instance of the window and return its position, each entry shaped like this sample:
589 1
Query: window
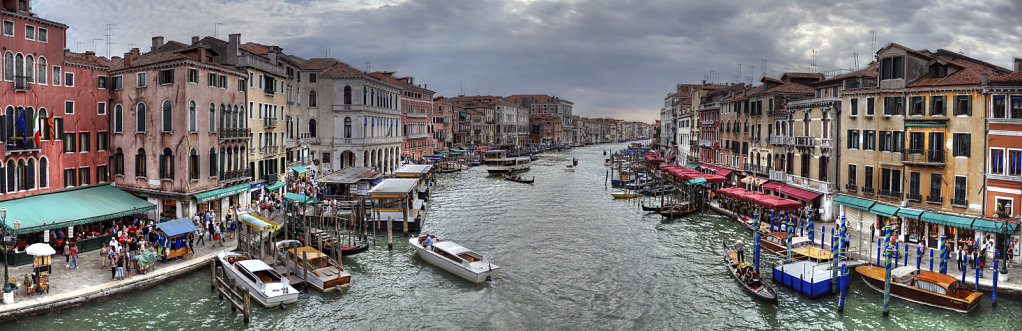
890 181
41 68
193 75
69 107
851 177
916 106
963 105
69 142
167 164
212 162
916 140
84 176
56 76
870 106
1014 163
29 32
101 83
166 116
1004 206
193 165
211 80
69 78
347 127
140 118
192 117
241 85
223 81
312 98
961 145
261 80
854 108
118 119
212 118
84 142
312 127
894 106
140 170
44 173
937 105
101 174
140 80
999 109
867 182
898 141
853 139
885 141
312 77
9 28
69 177
166 76
9 66
869 140
42 36
1016 106
996 161
913 185
936 181
101 108
959 199
892 68
29 69
101 141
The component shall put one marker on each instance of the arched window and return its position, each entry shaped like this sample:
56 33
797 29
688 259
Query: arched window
9 66
8 123
192 117
29 123
347 127
805 124
312 127
212 118
193 165
140 117
223 161
119 162
29 69
140 170
22 176
312 98
12 177
118 119
166 116
347 95
44 173
212 161
43 124
167 164
364 95
30 175
41 72
19 66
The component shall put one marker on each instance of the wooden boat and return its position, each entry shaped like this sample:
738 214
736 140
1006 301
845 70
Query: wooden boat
520 179
801 248
924 287
754 285
679 210
330 244
456 259
449 167
266 286
654 208
625 195
311 265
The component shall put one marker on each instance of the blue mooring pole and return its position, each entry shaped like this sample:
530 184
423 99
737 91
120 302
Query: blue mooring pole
834 255
888 256
993 292
906 255
977 270
919 256
879 245
965 267
931 259
943 254
844 287
755 241
823 235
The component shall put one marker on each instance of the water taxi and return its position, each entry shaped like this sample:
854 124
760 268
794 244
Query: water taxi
457 259
311 265
497 161
924 287
801 248
266 286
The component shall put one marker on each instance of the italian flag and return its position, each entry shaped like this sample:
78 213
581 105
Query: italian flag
35 128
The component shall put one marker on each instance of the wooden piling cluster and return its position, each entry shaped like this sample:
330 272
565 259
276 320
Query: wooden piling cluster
238 297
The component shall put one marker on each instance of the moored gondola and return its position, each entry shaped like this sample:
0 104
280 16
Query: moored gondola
748 277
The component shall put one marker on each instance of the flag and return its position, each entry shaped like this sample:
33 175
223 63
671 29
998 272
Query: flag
35 128
21 123
53 127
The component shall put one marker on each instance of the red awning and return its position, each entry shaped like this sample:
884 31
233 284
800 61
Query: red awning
798 193
780 203
772 186
723 172
714 178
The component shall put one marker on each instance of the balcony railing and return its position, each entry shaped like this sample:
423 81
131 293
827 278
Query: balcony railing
20 83
804 182
268 90
309 140
930 157
269 122
803 141
777 175
778 140
269 150
867 190
269 178
935 199
754 168
891 194
236 175
851 188
19 146
914 197
960 202
234 133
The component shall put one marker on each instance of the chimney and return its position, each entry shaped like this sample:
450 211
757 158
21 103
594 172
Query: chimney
984 79
129 57
195 40
1018 64
157 43
231 55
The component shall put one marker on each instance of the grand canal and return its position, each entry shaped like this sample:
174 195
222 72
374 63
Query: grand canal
571 258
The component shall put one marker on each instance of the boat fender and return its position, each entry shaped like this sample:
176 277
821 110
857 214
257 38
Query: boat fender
282 306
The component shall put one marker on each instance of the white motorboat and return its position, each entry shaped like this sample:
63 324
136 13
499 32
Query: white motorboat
457 259
324 273
569 168
265 285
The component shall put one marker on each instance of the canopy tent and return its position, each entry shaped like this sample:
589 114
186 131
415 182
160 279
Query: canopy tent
798 193
66 208
258 222
1003 227
696 181
299 169
177 227
222 192
300 198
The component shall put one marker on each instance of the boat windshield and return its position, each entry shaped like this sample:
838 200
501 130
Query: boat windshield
470 257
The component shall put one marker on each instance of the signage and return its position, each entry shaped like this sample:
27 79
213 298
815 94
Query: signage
154 182
258 185
170 202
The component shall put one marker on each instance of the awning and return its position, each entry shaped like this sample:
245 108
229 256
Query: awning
692 165
275 186
945 219
925 124
909 213
62 209
882 209
300 198
220 193
299 169
696 181
850 201
258 222
723 172
1004 227
772 186
177 227
798 193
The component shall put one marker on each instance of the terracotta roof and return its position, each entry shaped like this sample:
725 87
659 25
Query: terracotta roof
871 70
166 56
802 75
87 58
923 53
255 48
1012 78
331 67
970 73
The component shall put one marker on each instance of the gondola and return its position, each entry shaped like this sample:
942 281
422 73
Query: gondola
678 211
519 179
654 208
754 286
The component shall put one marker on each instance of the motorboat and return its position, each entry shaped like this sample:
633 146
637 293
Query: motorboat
801 248
311 265
264 284
456 259
924 287
569 168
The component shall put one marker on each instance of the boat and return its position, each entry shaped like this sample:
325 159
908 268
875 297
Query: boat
924 287
498 161
264 284
801 248
520 179
679 210
754 284
456 259
654 208
569 168
311 265
330 243
625 195
448 167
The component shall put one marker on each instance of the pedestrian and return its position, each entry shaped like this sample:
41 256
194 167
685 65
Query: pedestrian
74 257
961 255
199 235
120 267
216 234
67 256
209 229
740 248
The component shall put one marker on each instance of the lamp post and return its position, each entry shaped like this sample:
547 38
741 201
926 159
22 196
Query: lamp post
6 233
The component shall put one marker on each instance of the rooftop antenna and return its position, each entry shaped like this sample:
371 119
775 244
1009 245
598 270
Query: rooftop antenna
752 70
216 29
738 77
812 65
873 40
856 56
94 43
764 68
368 65
109 27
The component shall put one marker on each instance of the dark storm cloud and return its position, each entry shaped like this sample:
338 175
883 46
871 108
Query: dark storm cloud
612 58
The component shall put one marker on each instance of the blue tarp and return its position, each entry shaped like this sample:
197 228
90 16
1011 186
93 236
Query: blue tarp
377 181
177 227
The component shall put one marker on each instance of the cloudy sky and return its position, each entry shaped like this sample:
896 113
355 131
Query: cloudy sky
614 58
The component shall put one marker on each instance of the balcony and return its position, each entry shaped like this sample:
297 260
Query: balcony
960 203
234 133
269 178
914 197
289 142
21 147
234 176
935 199
851 188
20 83
269 122
754 168
891 194
268 90
309 141
778 140
808 183
706 143
269 150
803 141
916 156
867 190
706 122
416 115
777 175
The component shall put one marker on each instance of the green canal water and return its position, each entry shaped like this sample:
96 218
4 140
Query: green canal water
571 258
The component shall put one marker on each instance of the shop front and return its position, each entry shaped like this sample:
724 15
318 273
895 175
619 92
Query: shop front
221 200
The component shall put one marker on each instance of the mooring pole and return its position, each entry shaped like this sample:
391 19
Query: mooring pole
888 255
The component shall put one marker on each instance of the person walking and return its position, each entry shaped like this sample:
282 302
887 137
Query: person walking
198 233
74 257
961 255
209 229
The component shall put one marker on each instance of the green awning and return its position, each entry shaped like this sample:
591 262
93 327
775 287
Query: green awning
850 201
909 213
882 209
692 165
696 181
220 193
1003 227
299 169
945 219
67 208
925 125
300 198
274 186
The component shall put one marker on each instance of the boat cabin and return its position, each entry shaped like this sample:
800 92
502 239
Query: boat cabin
257 271
929 281
494 154
315 258
422 172
455 252
396 198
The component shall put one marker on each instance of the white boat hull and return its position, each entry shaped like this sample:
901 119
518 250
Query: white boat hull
476 272
266 297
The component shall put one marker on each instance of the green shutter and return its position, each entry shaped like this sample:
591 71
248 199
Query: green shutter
968 102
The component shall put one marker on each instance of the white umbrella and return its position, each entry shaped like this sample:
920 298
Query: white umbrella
39 249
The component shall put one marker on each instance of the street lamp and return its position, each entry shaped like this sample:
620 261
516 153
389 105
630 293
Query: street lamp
3 219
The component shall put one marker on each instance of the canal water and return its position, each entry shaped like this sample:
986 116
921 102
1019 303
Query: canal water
571 258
